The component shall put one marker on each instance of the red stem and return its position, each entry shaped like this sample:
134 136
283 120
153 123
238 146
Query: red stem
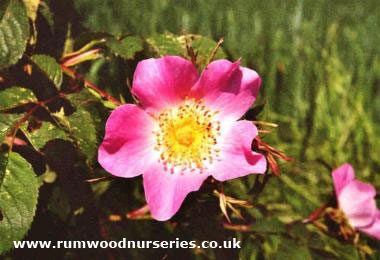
89 84
30 112
240 228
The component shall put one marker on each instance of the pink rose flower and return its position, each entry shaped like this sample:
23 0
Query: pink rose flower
184 130
357 201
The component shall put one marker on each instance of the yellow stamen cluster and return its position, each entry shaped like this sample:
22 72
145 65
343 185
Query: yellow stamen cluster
187 136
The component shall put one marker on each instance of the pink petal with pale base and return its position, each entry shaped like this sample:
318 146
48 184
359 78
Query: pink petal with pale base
342 176
228 88
357 201
373 229
162 83
236 157
165 192
126 150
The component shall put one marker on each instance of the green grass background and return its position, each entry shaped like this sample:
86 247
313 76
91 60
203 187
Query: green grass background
320 65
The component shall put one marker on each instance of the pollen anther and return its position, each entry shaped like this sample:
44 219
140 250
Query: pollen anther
187 135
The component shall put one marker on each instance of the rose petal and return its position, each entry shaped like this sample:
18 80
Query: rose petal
236 157
342 176
357 201
126 150
227 87
165 192
373 229
163 82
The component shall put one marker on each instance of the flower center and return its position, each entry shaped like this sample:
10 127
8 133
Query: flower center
187 135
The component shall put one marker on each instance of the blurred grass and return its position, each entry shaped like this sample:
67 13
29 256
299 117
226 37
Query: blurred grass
320 64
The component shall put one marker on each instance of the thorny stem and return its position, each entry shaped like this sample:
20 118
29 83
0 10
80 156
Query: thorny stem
73 74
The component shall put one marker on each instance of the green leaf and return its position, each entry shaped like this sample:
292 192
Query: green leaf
39 137
18 199
14 96
6 123
14 33
166 44
170 44
205 46
85 123
289 249
18 191
126 47
31 8
268 225
82 128
106 103
339 249
50 67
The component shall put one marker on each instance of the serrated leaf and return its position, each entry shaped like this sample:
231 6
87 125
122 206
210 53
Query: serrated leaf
86 122
126 47
14 33
204 46
18 199
39 137
31 8
166 44
6 123
50 67
82 127
14 96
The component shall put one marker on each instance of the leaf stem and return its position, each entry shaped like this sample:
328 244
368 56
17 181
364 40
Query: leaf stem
240 228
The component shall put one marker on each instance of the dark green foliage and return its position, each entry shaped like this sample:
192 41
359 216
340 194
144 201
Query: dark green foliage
15 95
50 67
125 47
268 225
39 137
18 199
14 32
